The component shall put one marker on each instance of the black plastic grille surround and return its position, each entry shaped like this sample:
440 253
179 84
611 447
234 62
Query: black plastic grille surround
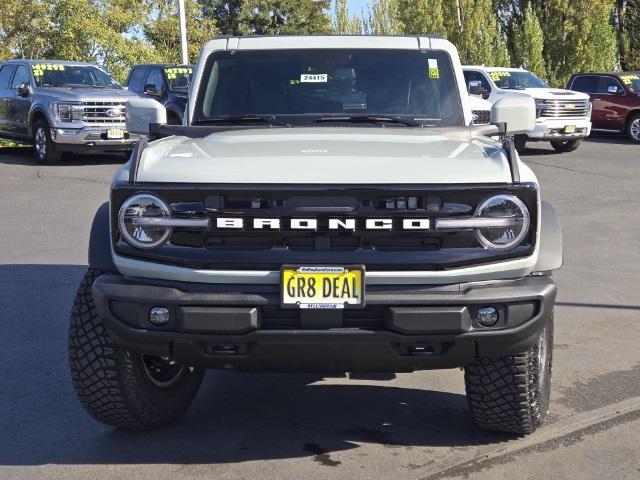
249 248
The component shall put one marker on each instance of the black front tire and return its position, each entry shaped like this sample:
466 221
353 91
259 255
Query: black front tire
566 145
633 128
511 393
44 149
118 387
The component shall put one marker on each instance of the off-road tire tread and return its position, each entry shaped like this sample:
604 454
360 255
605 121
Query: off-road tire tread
103 374
503 393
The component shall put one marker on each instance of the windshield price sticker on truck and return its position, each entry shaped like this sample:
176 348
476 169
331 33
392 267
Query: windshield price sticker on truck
173 72
495 76
313 78
434 71
40 68
628 79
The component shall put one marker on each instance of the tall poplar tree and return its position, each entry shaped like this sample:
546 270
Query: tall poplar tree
421 16
528 44
285 17
382 18
344 23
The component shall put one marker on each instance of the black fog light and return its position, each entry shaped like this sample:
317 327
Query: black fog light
159 315
487 316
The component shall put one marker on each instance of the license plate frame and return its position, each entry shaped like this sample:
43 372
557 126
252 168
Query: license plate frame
309 270
570 129
115 133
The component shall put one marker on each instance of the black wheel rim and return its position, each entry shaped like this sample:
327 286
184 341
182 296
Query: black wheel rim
162 371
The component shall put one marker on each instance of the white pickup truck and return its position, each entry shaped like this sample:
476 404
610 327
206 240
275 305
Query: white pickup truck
563 117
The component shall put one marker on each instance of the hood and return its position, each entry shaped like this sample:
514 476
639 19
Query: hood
322 155
82 94
555 94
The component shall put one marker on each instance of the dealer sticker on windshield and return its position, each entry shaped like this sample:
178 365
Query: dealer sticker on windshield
313 78
324 287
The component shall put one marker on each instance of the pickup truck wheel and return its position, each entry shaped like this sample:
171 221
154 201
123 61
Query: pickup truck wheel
520 142
511 394
633 129
566 145
118 387
45 150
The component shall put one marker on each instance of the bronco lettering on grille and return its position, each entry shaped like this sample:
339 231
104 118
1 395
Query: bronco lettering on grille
223 223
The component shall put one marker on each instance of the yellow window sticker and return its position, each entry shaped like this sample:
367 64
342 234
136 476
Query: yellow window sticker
434 71
628 79
496 76
39 68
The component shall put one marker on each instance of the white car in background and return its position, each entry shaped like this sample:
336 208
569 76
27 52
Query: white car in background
563 117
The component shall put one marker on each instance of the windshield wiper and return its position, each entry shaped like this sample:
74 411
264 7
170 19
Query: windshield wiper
240 119
370 119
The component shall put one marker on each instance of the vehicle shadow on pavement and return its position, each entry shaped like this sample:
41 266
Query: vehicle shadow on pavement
236 417
24 156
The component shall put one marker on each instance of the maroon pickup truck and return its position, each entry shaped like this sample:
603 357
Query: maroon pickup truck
615 98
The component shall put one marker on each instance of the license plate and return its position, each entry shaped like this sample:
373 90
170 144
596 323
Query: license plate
570 129
115 133
322 287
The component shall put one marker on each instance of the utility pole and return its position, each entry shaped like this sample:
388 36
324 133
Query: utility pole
183 32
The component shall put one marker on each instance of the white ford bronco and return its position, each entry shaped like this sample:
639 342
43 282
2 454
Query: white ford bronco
327 206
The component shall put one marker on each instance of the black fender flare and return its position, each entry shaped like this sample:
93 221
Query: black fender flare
550 253
100 240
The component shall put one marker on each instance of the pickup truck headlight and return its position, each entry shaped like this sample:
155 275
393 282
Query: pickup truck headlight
138 221
68 112
509 220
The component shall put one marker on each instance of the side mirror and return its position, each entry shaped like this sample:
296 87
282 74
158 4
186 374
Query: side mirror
152 90
24 90
475 88
516 112
141 112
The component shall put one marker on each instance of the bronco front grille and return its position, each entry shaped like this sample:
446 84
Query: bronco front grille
270 248
103 112
563 108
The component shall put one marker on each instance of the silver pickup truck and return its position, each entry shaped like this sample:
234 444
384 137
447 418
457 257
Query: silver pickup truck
63 107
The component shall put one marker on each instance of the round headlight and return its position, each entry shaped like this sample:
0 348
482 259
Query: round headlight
509 219
135 220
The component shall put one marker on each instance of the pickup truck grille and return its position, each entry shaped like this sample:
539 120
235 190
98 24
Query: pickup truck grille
564 109
481 117
103 112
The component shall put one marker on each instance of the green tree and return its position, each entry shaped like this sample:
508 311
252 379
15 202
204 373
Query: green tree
162 30
382 18
343 22
421 16
226 13
285 17
528 44
473 27
628 33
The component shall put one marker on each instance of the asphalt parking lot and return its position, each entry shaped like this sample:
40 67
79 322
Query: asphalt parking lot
413 426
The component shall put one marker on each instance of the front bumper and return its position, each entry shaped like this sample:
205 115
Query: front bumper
91 139
554 129
402 328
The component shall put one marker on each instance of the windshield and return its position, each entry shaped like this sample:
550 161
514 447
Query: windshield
307 86
56 75
632 81
516 80
179 78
